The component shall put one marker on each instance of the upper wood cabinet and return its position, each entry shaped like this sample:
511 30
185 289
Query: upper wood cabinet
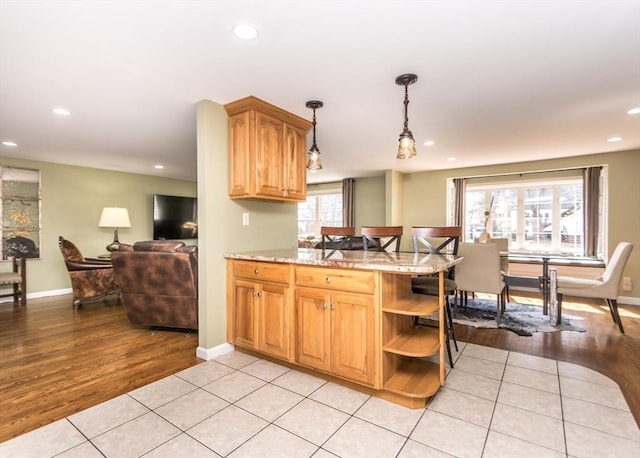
267 150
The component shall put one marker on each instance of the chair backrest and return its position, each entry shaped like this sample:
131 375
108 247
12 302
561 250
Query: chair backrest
158 282
615 266
382 237
479 269
337 238
69 251
503 247
424 236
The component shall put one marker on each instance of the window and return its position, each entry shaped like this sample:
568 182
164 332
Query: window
544 215
322 208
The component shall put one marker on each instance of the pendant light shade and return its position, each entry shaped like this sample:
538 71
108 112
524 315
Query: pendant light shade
407 145
313 161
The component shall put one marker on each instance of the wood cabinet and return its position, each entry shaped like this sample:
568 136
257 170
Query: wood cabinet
353 324
335 322
262 310
335 333
267 152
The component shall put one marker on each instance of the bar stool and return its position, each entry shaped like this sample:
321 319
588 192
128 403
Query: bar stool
436 240
376 234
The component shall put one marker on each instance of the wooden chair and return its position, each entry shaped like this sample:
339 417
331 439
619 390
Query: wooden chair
337 238
16 279
382 237
437 240
91 278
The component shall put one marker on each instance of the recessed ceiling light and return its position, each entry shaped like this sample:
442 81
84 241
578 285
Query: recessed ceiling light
11 144
614 139
633 111
159 166
61 111
245 31
451 159
429 143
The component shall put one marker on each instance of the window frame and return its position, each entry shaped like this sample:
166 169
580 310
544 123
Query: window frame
326 189
522 180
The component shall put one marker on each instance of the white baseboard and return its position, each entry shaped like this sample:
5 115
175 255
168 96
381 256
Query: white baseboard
211 353
627 300
39 294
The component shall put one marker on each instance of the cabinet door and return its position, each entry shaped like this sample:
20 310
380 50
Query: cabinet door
295 179
313 328
274 320
239 155
270 157
245 314
353 340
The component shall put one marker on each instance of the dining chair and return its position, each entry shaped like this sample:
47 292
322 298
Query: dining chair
436 240
383 238
479 271
503 247
606 287
337 238
16 279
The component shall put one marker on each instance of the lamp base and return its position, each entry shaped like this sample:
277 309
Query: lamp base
113 246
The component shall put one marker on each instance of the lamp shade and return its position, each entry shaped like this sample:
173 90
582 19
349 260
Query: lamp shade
114 217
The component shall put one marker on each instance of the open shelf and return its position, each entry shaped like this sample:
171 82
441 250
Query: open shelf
413 304
415 378
415 342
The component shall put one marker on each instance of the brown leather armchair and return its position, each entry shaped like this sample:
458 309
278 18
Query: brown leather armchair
91 278
159 283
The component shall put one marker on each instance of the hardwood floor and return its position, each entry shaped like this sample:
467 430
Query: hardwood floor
56 362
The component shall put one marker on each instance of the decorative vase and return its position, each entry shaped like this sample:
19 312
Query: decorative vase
484 237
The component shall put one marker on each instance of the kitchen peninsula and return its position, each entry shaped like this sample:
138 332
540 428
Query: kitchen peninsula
348 315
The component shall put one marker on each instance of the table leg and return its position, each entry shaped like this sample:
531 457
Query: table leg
544 286
555 317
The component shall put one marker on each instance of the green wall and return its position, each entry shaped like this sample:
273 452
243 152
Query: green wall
72 200
623 198
271 225
369 202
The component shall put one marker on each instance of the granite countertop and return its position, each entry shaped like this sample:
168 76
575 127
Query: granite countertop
368 260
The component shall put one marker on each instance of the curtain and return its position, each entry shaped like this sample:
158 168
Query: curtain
348 196
591 209
458 212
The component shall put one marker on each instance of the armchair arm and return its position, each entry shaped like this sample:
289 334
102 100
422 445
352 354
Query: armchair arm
79 265
98 260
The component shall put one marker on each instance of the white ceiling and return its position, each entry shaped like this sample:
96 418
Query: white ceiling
498 81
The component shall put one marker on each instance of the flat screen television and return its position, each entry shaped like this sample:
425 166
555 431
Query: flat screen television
175 217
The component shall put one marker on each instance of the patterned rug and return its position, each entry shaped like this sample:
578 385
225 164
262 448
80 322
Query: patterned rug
523 319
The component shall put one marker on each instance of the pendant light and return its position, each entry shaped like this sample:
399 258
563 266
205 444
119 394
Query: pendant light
313 162
407 145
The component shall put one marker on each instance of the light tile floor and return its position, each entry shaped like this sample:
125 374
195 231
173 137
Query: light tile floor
494 403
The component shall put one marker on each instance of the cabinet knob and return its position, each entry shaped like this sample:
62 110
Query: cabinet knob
324 305
256 271
332 306
328 279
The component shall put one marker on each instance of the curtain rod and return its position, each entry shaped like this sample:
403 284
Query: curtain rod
527 173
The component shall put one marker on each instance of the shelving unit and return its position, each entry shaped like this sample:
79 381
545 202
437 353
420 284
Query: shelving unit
413 356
